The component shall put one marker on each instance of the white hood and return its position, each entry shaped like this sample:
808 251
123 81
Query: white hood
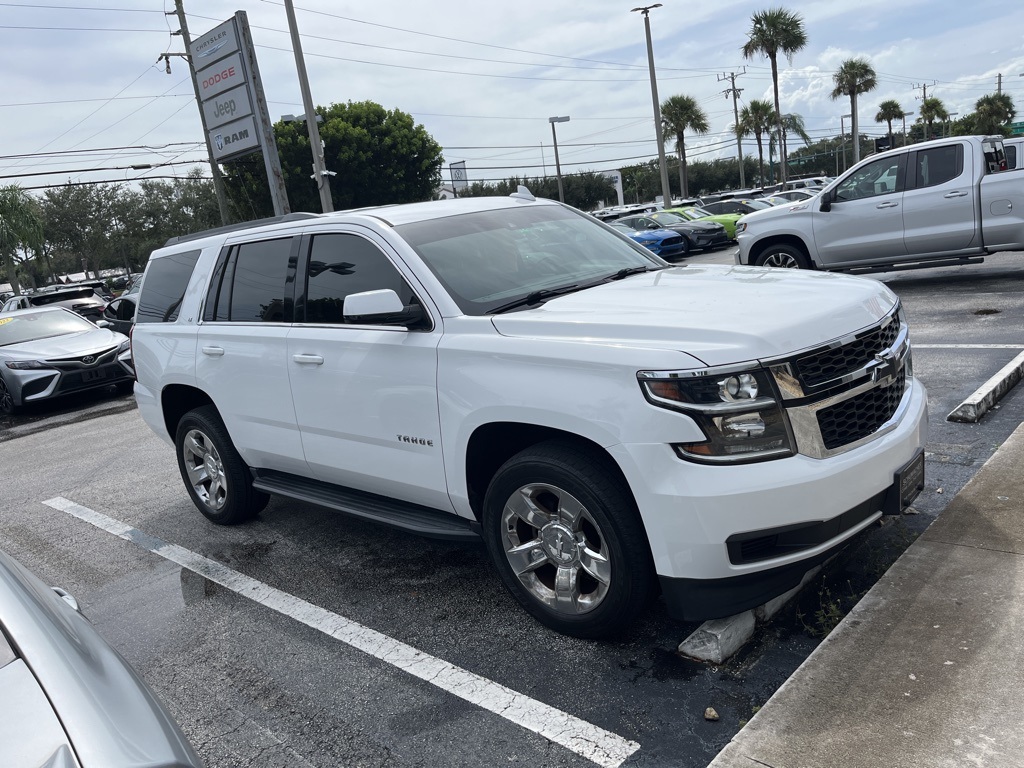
68 345
718 314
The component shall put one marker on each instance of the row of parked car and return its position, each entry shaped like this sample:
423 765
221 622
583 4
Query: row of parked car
65 339
703 223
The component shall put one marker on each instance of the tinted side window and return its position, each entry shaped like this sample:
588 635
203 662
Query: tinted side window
938 165
257 288
343 264
1011 155
166 281
878 178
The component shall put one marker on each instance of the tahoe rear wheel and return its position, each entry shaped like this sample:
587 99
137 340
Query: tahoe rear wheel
782 256
567 540
217 479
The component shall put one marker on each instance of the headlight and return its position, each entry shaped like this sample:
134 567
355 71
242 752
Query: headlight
737 410
126 346
25 365
741 226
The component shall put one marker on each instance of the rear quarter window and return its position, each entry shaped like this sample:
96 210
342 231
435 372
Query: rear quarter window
164 287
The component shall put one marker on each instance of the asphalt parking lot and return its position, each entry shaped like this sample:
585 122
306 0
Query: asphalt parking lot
309 639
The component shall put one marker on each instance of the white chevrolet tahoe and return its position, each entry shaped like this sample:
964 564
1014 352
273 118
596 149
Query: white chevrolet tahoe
513 369
938 203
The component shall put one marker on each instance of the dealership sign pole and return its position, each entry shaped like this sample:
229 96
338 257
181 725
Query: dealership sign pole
232 102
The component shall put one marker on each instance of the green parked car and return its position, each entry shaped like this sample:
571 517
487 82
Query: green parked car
727 220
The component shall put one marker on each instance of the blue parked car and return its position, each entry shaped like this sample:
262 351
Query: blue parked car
663 242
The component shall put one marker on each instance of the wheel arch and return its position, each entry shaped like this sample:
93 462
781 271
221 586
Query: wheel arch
794 241
492 444
178 399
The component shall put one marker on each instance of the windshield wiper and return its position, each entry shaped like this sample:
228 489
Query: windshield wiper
627 272
534 298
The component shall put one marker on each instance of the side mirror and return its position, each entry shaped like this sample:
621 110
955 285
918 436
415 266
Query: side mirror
104 324
826 201
381 307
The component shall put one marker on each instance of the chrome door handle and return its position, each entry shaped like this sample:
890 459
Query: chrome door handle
958 193
308 359
213 351
887 205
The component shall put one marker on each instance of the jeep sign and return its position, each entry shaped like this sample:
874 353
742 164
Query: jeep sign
234 139
228 106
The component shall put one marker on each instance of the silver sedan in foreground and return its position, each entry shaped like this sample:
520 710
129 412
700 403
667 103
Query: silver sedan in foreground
68 699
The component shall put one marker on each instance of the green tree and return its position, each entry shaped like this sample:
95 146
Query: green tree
21 229
932 109
678 115
854 76
888 111
772 32
380 156
757 119
791 123
992 113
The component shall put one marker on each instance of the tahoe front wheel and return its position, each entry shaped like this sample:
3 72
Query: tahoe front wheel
567 540
215 476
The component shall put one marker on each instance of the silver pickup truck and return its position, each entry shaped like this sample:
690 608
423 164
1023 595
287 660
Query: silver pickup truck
943 202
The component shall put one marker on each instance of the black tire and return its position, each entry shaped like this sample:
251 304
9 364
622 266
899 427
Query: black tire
573 496
686 248
215 476
7 405
783 256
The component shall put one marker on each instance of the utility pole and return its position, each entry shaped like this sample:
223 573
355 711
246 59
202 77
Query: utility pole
320 173
666 190
218 180
924 89
735 93
999 84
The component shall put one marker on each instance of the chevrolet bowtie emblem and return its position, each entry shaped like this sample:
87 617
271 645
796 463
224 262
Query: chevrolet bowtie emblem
884 368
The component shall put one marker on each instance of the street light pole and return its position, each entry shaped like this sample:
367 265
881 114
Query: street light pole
558 166
320 173
905 116
666 191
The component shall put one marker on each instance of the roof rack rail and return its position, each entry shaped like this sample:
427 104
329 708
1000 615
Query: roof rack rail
298 216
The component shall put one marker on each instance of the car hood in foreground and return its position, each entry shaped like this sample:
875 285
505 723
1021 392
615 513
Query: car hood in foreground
717 314
67 345
69 693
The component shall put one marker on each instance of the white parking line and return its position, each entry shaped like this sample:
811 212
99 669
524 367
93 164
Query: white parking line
583 738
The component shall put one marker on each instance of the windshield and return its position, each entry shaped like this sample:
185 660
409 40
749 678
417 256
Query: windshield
490 259
32 326
41 299
664 217
698 213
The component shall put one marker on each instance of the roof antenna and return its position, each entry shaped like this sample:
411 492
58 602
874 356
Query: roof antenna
522 193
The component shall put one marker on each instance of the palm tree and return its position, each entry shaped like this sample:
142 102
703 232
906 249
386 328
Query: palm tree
888 111
771 32
757 119
932 109
992 112
20 227
791 123
678 115
854 76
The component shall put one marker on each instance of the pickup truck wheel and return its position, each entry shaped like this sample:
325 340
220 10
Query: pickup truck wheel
216 477
782 256
567 540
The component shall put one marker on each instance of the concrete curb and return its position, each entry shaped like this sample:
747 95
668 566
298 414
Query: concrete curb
988 394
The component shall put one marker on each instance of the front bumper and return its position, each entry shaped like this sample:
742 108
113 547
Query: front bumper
33 385
693 514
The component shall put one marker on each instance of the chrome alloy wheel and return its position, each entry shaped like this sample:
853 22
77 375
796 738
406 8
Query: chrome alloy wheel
205 469
556 549
783 259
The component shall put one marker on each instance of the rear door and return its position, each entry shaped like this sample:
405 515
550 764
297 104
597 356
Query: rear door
242 350
1002 210
940 203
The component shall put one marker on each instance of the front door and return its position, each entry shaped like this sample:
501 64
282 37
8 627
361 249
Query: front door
865 222
365 395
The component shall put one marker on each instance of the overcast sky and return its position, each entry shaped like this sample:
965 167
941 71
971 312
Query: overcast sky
81 79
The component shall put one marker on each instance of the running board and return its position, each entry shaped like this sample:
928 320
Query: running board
954 262
425 521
